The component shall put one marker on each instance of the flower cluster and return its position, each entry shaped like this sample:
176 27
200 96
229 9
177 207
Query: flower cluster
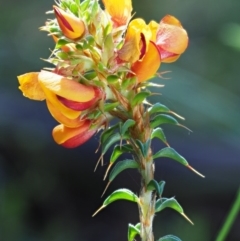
100 60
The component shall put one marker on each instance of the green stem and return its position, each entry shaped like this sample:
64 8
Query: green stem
230 219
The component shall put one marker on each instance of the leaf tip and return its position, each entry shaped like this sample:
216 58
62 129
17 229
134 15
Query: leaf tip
102 207
186 217
106 188
198 173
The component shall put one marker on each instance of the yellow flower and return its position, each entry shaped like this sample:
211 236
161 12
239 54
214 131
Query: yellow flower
73 137
71 26
65 97
119 10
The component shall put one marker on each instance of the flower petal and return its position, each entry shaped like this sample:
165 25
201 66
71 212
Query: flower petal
119 10
30 86
65 87
146 68
171 36
137 38
72 137
58 116
74 105
71 26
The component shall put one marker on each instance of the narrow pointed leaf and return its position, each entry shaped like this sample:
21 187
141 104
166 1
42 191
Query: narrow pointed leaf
158 133
121 166
169 238
159 202
139 98
132 232
107 133
121 194
171 153
161 185
119 150
144 147
153 185
163 119
110 106
127 124
158 108
110 141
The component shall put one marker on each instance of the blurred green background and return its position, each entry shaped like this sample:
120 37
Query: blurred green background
48 193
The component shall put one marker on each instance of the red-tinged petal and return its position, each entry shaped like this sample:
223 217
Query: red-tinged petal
58 116
72 137
30 86
171 36
82 105
168 57
119 10
71 26
149 65
65 87
51 97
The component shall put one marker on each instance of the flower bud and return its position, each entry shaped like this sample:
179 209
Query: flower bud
71 26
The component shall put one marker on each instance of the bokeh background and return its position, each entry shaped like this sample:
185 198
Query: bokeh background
48 193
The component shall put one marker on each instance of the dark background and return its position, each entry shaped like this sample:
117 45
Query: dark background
48 193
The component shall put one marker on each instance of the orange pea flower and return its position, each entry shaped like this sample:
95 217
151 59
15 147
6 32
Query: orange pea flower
71 26
65 97
171 39
73 137
119 10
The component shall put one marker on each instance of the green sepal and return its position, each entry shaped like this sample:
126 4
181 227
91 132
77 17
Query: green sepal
110 106
127 83
154 185
163 119
84 5
169 237
90 75
61 42
126 125
158 133
132 232
158 108
140 97
144 147
108 49
171 153
121 166
113 79
119 150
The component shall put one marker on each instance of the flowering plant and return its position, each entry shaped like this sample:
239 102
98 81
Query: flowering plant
103 61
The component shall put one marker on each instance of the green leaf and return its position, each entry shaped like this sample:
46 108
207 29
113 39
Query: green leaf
110 141
140 97
154 185
159 203
128 123
84 5
119 150
173 204
61 42
171 153
163 119
108 49
90 75
121 166
158 133
112 79
128 82
107 133
132 232
170 203
158 108
144 147
110 106
161 185
120 194
169 238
